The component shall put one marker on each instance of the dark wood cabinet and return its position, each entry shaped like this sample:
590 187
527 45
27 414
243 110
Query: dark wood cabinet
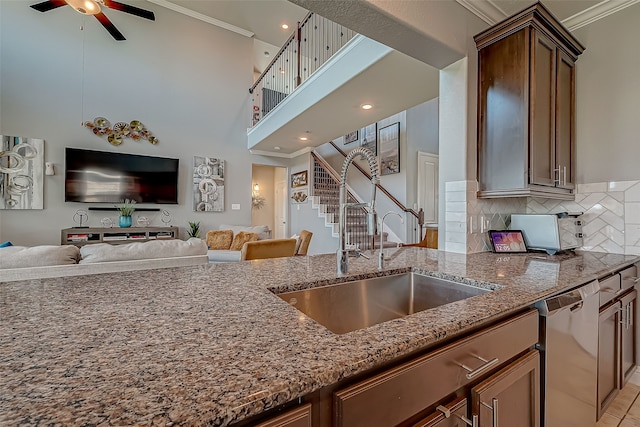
526 107
627 336
298 417
616 334
608 359
511 396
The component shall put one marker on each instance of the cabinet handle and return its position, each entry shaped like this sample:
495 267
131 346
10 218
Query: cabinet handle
556 171
473 422
615 292
494 411
564 168
472 373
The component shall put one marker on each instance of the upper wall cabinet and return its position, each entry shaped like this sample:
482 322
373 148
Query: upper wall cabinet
526 107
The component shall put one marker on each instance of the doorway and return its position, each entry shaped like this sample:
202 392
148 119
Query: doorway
428 186
269 199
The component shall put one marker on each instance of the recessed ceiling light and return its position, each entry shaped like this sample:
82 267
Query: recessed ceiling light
366 106
276 148
285 26
303 138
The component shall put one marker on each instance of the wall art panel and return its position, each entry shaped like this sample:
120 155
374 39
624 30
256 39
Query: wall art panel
21 173
208 184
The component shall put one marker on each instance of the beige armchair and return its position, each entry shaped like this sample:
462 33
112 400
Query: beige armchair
272 248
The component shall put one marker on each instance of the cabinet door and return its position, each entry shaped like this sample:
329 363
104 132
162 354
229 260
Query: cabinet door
628 336
299 417
541 143
512 396
453 414
608 356
564 121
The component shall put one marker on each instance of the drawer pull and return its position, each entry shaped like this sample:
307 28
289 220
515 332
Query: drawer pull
447 413
472 373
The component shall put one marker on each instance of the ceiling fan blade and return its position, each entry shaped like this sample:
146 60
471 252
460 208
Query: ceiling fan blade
106 23
146 14
46 6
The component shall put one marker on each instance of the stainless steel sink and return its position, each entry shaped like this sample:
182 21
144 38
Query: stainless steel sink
350 306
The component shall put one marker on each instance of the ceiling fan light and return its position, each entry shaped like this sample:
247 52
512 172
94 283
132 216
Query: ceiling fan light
85 7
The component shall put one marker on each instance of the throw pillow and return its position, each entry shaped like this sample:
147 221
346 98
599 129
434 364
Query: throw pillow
5 244
219 239
241 238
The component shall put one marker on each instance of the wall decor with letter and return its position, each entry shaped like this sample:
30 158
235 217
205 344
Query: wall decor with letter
208 184
21 173
390 149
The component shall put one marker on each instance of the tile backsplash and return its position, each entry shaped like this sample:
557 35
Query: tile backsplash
611 215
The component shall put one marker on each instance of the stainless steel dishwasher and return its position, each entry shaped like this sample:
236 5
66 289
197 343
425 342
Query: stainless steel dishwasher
569 347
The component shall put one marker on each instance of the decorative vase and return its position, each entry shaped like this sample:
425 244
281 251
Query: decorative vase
124 221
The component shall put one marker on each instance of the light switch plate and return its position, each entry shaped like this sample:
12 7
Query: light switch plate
235 207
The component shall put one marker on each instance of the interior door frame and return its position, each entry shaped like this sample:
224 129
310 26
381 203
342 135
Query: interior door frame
420 177
284 202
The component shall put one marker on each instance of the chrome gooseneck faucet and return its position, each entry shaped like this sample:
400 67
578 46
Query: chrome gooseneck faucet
381 258
342 253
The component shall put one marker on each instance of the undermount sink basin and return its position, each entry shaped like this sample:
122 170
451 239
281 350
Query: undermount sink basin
350 306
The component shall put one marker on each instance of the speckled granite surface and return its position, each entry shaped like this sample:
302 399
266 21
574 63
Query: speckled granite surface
211 344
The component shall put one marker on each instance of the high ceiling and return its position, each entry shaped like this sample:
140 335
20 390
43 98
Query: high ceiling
262 19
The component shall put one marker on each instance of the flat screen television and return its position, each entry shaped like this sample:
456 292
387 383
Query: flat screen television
105 177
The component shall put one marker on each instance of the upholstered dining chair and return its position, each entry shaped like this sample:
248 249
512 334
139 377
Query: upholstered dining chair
270 248
430 240
304 240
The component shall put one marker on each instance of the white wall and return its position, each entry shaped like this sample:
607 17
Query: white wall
186 80
608 99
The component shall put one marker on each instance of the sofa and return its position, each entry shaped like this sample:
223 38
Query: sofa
225 243
228 243
37 262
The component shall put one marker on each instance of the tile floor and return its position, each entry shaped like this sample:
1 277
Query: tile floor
624 411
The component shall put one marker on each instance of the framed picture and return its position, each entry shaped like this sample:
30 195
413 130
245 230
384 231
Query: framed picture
299 179
300 196
369 138
390 149
351 137
507 241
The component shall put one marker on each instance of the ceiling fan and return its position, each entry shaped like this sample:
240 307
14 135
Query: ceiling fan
93 7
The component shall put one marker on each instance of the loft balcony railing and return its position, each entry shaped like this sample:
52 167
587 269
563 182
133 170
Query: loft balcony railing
315 40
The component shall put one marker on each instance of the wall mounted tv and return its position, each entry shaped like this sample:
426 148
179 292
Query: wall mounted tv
105 177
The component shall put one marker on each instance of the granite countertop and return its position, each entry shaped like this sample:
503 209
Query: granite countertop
212 344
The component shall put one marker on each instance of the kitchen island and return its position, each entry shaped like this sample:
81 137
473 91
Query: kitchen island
213 345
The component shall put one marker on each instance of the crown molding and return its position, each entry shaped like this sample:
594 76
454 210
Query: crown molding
596 12
484 9
202 17
282 155
491 14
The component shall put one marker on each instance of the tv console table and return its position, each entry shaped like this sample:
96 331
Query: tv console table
115 235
